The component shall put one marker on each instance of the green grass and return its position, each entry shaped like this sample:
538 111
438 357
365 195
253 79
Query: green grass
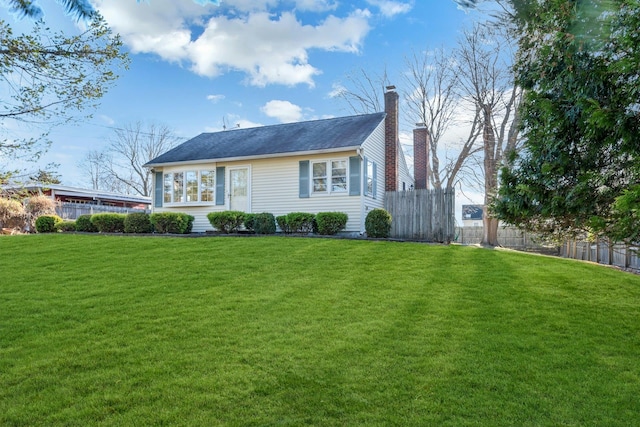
108 330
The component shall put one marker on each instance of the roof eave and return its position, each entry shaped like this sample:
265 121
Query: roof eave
256 157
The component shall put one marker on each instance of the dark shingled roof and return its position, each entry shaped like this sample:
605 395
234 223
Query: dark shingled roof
316 135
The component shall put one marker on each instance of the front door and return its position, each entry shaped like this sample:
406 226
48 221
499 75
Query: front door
239 191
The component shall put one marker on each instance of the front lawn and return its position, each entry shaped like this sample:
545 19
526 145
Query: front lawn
110 330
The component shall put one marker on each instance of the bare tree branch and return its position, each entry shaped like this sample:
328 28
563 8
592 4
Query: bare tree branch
132 147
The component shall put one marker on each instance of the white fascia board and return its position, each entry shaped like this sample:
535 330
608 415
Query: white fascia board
256 157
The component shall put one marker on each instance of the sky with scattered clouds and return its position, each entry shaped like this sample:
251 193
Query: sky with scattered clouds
197 66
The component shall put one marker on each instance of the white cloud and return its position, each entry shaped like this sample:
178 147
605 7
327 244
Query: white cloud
337 89
316 5
284 111
390 8
215 98
106 119
240 35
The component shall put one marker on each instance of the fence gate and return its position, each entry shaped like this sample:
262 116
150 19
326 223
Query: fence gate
427 215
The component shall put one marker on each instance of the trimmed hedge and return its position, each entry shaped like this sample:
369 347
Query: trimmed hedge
300 222
378 223
249 221
172 222
226 221
330 223
138 222
108 222
83 223
47 223
66 226
281 220
264 223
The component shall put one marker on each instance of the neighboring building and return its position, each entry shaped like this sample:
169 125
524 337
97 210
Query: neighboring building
73 201
65 194
472 215
342 164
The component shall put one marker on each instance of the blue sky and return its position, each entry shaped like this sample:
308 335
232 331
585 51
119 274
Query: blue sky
247 62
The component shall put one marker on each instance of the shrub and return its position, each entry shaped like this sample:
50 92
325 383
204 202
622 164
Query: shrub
37 206
66 226
108 222
226 221
281 220
300 222
378 223
264 223
172 222
137 222
12 214
249 221
83 223
47 223
330 223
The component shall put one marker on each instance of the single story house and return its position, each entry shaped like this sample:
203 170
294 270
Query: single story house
82 196
343 164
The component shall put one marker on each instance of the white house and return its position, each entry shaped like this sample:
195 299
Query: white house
341 164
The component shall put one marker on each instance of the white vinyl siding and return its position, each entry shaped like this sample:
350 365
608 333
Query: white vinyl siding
373 149
275 190
404 177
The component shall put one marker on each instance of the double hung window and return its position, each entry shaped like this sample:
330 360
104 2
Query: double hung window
207 186
370 177
329 176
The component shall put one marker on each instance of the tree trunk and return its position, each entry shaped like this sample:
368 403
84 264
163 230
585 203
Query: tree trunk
490 231
490 225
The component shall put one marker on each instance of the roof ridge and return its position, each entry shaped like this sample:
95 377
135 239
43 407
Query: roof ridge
297 123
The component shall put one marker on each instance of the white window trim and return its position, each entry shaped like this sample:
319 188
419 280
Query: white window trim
184 188
329 192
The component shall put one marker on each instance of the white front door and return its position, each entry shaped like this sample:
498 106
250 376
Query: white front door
239 189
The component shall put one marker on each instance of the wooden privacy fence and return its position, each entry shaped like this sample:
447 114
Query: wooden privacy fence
426 215
68 210
508 237
602 252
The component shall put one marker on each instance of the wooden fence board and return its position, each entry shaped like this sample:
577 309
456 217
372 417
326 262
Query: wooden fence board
425 215
508 237
602 252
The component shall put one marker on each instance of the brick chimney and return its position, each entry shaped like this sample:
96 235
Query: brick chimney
421 143
391 139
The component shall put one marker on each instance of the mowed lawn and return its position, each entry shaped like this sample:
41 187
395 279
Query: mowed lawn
274 331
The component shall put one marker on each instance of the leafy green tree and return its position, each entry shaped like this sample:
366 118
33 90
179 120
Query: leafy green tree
579 65
52 78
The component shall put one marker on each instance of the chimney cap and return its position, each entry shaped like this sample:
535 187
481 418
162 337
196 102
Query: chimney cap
421 125
390 88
